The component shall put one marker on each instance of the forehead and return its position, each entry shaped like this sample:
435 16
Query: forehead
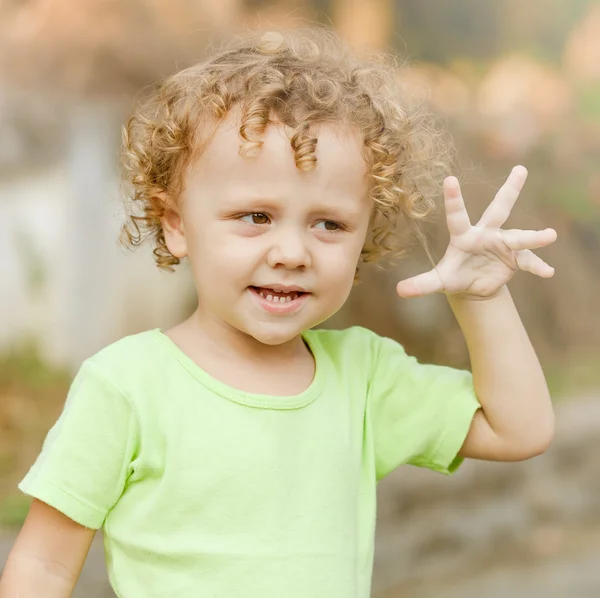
340 163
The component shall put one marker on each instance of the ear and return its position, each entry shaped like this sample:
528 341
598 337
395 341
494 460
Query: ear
173 228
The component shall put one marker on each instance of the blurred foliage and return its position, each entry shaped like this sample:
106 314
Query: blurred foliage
32 393
579 377
443 32
33 263
572 195
13 511
25 369
588 103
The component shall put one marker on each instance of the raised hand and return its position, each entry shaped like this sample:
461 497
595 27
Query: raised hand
481 259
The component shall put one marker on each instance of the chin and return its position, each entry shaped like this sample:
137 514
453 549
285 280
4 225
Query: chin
275 337
274 333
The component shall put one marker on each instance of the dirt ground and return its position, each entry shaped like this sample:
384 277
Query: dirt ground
572 573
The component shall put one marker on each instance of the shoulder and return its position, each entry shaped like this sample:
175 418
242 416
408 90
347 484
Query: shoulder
355 340
339 337
132 360
127 351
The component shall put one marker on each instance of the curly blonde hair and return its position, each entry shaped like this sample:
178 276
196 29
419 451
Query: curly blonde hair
303 77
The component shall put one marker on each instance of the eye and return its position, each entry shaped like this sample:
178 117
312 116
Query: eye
329 225
255 218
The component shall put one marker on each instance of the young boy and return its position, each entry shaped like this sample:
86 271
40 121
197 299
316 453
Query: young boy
237 454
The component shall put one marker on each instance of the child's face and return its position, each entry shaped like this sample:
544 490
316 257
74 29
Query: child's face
248 224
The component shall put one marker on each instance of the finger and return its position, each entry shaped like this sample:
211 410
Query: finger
518 240
423 284
529 262
457 216
499 210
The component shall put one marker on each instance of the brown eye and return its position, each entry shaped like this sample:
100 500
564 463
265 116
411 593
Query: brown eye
260 218
255 218
330 225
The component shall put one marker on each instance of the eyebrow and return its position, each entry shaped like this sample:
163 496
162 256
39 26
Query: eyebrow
229 202
241 198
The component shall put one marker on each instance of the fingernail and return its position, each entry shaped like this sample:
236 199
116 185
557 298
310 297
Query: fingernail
520 169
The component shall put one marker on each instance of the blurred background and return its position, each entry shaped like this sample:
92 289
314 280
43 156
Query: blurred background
515 82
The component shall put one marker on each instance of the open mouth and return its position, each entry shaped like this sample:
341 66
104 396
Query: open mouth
277 296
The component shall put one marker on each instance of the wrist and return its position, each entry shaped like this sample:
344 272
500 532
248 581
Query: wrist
470 298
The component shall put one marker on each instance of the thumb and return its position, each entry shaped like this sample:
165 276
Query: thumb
423 284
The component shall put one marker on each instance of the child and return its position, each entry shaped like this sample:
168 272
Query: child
237 454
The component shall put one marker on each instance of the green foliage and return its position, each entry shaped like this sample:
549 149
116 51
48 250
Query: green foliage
25 366
572 196
31 392
33 263
588 103
13 511
566 380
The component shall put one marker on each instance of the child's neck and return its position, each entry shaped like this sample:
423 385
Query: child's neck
225 340
243 362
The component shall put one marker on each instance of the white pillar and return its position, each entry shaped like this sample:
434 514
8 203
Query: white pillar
91 230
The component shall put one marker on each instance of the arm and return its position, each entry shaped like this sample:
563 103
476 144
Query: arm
516 420
47 557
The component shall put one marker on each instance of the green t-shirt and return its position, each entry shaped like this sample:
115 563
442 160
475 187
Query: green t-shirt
206 491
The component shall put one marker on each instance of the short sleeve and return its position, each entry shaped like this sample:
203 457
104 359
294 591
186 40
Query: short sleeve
84 463
420 413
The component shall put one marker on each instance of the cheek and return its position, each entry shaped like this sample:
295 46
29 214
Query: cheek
341 262
213 245
221 257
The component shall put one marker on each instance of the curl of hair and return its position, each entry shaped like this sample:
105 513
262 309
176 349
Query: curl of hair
301 78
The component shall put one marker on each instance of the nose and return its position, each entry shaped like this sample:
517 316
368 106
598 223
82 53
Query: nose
289 250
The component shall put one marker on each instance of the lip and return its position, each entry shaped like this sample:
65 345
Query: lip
279 308
281 288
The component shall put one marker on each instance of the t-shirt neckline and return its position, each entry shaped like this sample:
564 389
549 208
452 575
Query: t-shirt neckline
249 399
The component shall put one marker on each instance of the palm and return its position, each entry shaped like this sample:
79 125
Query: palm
481 259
